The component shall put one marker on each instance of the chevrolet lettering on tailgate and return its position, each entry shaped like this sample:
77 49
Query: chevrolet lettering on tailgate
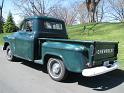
104 51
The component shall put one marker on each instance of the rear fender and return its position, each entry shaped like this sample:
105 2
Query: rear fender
70 54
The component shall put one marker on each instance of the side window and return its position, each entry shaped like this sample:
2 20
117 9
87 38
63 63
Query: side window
27 25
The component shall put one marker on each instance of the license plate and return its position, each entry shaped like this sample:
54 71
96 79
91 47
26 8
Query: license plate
106 63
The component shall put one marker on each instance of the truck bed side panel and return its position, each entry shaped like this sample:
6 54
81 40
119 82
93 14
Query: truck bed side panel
70 54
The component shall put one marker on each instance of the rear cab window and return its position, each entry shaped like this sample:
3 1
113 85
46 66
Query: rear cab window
53 26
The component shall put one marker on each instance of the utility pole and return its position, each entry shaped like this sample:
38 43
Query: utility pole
1 7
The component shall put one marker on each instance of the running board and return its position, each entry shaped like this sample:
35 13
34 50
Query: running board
38 62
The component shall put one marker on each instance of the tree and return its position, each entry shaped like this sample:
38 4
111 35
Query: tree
117 10
91 7
82 12
54 8
65 13
1 24
35 7
101 9
1 18
9 25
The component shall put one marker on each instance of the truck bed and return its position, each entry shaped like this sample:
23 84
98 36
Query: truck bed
77 41
103 51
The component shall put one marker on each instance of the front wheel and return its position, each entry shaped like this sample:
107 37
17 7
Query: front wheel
9 54
56 69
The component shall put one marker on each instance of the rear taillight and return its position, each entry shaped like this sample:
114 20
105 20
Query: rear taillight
92 50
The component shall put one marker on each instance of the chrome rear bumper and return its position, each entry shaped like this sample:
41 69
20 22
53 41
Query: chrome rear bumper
98 70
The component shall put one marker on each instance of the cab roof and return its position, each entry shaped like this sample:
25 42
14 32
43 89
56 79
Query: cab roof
44 17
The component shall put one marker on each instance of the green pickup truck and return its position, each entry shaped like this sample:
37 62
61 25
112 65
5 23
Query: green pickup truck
44 40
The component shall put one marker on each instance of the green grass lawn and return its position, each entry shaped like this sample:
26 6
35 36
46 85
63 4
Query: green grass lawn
102 32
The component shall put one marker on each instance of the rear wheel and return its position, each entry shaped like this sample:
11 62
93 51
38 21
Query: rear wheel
56 69
9 54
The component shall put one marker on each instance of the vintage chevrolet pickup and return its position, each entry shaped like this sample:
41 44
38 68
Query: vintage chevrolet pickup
44 40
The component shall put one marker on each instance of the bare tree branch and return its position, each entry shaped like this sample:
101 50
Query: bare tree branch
34 7
117 8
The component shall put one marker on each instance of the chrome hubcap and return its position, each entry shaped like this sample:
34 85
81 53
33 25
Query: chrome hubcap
9 54
56 68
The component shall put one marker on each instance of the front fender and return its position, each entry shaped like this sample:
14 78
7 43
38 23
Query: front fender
71 54
9 40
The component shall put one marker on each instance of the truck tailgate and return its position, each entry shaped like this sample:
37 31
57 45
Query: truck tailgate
105 51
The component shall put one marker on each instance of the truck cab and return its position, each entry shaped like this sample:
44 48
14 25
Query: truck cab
44 40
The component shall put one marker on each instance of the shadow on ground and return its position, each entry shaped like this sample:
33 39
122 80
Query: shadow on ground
34 65
98 83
